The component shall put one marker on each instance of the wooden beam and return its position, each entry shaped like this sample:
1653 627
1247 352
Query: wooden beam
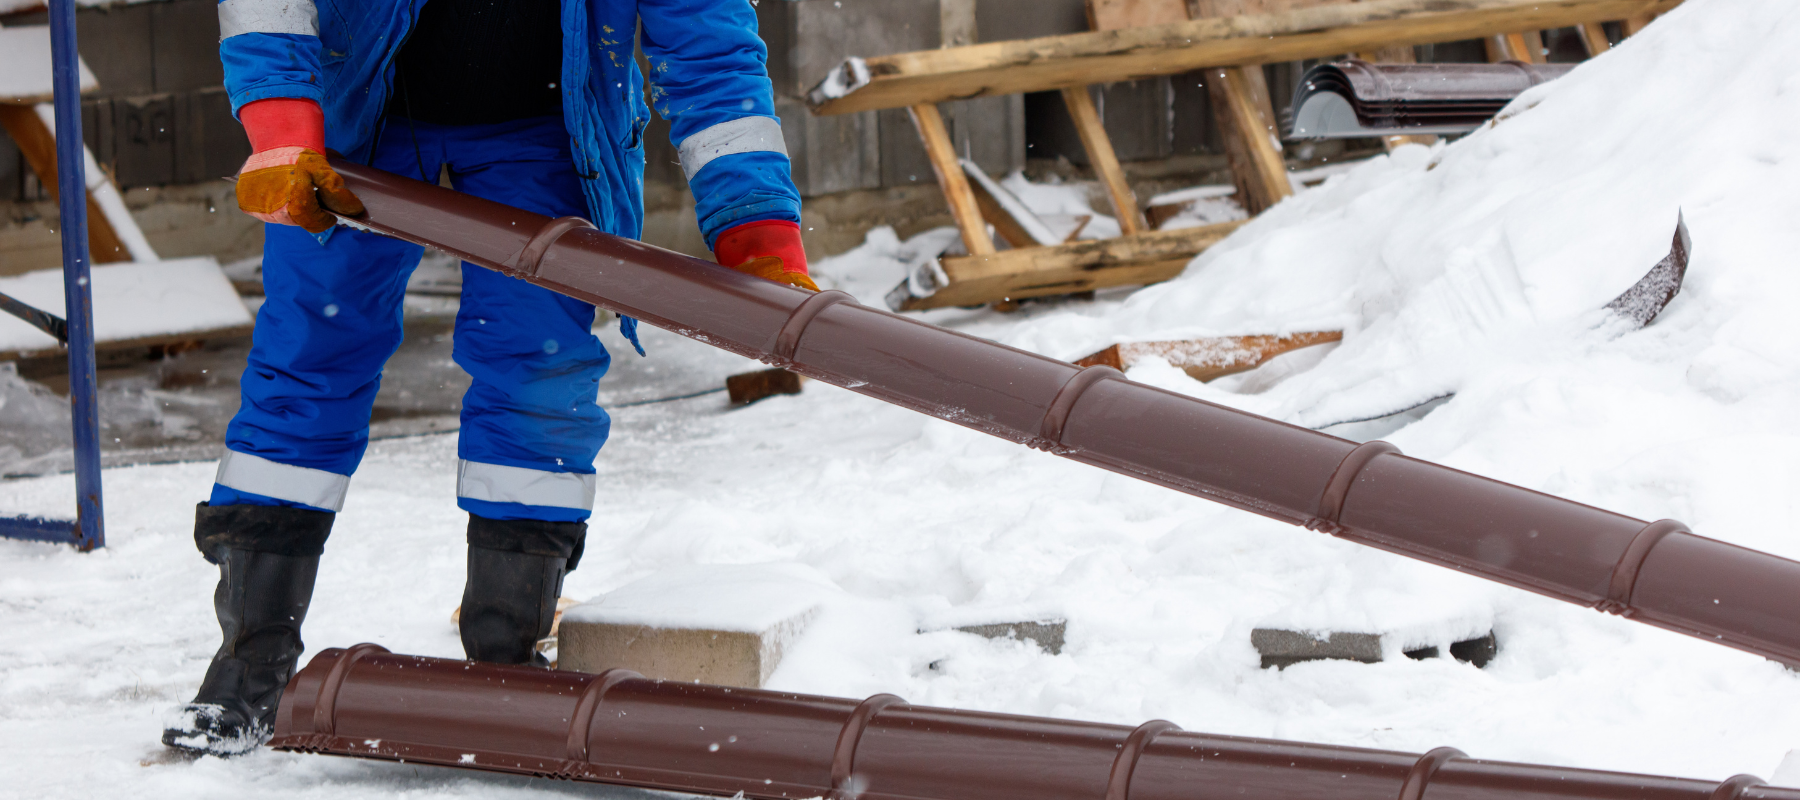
1104 159
963 206
1250 144
1636 22
1080 59
1593 36
1509 47
1082 266
38 145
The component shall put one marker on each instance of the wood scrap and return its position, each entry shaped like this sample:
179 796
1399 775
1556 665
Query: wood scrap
1212 357
1135 260
749 387
1009 215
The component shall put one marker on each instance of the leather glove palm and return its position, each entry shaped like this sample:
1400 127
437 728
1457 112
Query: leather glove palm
287 180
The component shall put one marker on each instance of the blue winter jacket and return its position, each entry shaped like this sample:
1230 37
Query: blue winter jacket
707 77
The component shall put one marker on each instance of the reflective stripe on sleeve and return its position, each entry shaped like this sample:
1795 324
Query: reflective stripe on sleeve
743 135
533 487
304 485
238 17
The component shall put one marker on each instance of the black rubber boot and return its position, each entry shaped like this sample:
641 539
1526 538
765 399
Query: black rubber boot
268 557
516 570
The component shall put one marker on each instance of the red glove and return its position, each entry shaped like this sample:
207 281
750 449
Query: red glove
769 249
287 179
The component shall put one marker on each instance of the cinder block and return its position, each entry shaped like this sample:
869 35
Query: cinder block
185 35
727 626
1281 648
144 138
806 38
1046 634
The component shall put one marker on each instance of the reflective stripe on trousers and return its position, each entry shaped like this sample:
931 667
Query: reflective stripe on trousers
303 485
495 483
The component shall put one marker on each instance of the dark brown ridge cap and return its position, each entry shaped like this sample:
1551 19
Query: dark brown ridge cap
368 703
1659 574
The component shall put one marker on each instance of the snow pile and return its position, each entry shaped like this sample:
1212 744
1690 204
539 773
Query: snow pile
1445 267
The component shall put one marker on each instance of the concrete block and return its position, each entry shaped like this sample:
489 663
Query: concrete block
185 37
144 138
115 42
724 625
1041 626
831 154
1046 634
1281 648
806 38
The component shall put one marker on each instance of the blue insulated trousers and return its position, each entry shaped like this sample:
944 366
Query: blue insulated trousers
530 425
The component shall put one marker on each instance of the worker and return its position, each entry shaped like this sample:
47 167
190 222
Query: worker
537 104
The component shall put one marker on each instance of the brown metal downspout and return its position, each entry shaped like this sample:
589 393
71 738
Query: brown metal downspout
621 728
1657 573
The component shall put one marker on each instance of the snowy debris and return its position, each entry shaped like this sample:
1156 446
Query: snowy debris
1281 648
1646 299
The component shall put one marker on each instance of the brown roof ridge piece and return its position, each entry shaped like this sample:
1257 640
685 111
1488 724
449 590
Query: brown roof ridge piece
1525 539
621 728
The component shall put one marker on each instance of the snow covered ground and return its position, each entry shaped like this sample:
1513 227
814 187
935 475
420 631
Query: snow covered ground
1476 270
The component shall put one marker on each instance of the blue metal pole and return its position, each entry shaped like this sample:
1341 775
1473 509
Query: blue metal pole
71 178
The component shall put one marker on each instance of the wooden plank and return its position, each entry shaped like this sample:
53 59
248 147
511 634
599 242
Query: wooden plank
38 145
999 289
992 210
1080 59
1509 47
1593 36
1636 22
1081 266
1250 144
963 206
1106 15
1105 161
1212 357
